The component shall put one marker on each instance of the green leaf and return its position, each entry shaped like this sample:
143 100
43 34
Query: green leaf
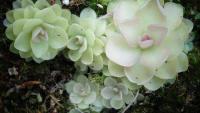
107 93
90 98
57 38
154 84
109 81
75 30
69 86
29 12
74 98
115 70
74 55
90 36
57 9
22 42
46 15
31 25
117 104
87 57
97 63
41 4
18 13
9 32
98 47
10 16
39 48
88 13
18 26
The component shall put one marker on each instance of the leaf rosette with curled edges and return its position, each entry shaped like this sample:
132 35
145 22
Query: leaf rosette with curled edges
85 43
38 30
146 41
81 92
115 94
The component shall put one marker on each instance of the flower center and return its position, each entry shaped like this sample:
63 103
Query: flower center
39 34
146 42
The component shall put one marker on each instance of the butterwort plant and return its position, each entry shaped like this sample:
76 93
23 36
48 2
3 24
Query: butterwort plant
82 92
148 45
37 30
85 39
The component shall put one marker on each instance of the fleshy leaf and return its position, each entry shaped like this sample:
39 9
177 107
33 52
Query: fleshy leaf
22 42
118 51
87 57
154 84
117 104
115 70
74 98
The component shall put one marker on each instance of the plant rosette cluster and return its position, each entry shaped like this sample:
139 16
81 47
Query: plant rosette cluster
137 43
85 39
147 42
113 93
37 30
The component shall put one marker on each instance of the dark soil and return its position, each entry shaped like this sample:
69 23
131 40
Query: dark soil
21 92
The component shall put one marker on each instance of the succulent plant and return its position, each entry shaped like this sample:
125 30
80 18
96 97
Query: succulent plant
37 30
85 44
115 94
148 45
81 91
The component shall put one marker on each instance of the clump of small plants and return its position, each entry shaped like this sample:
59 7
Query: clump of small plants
137 44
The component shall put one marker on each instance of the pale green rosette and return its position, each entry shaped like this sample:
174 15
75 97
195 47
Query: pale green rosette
38 30
146 41
82 92
115 94
85 40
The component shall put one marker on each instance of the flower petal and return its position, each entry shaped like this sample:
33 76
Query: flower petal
118 51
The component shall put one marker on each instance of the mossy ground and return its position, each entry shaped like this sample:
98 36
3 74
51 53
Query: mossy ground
21 93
